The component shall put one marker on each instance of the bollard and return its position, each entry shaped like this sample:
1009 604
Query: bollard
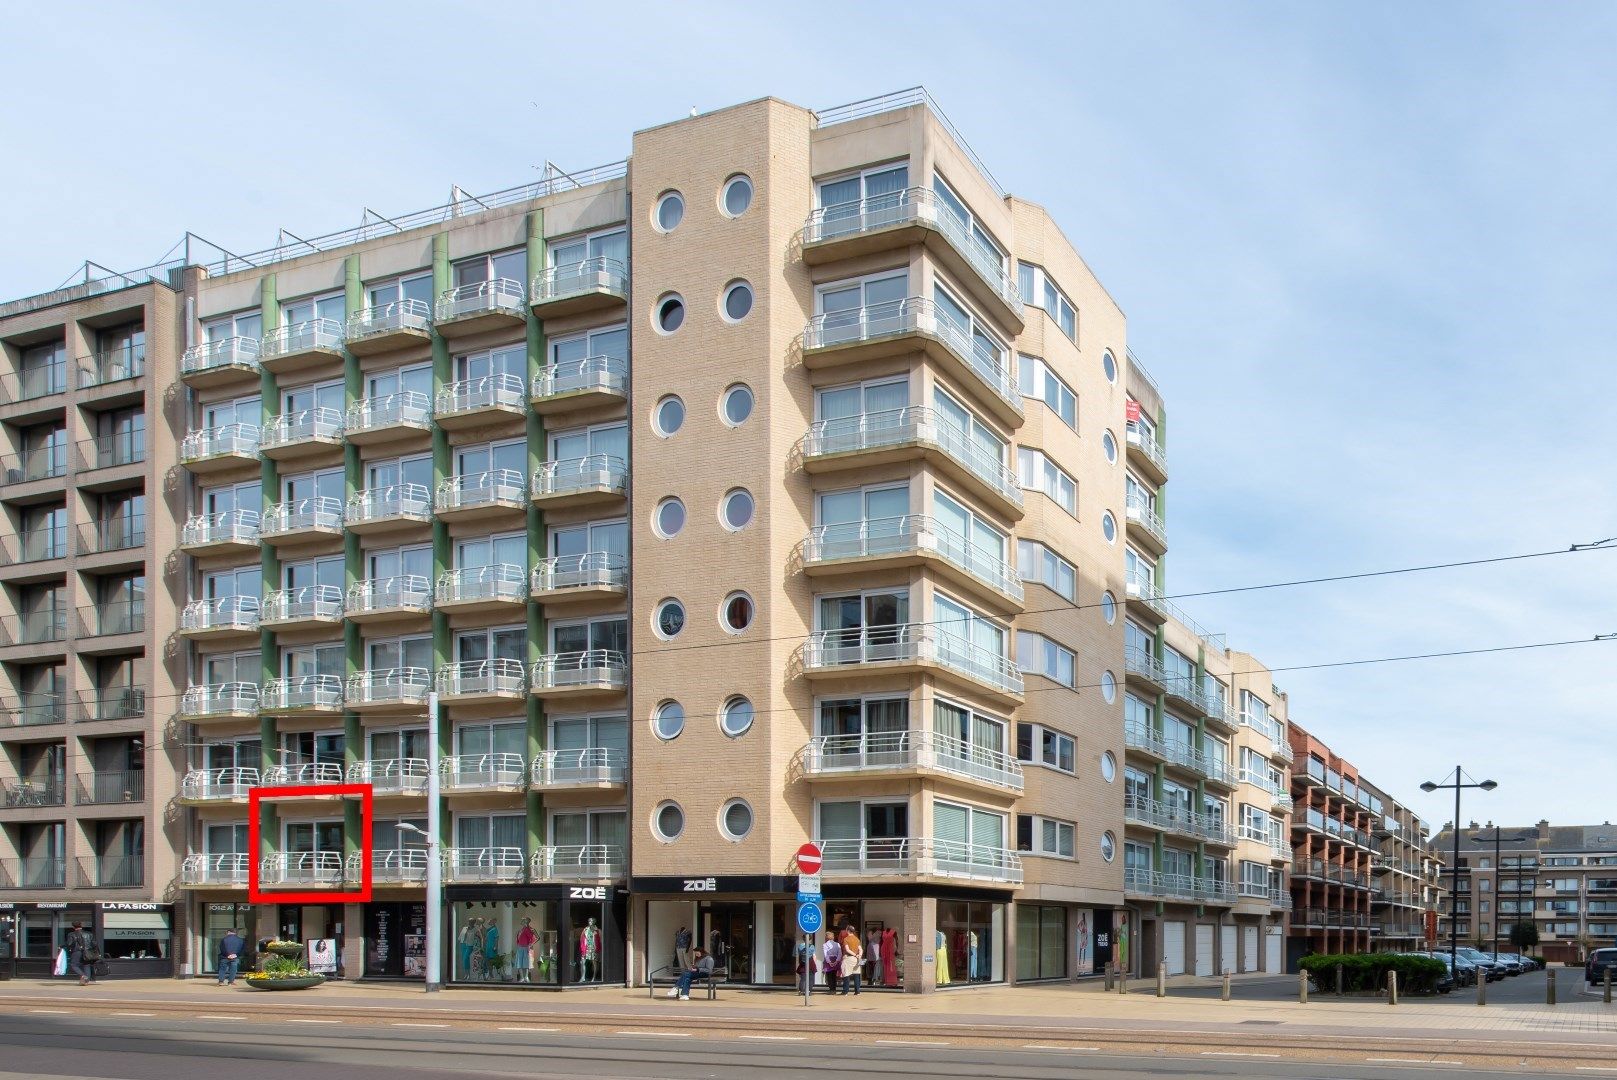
1482 988
1122 979
1227 986
1392 988
1110 975
1338 980
1302 987
1608 985
1549 989
1162 978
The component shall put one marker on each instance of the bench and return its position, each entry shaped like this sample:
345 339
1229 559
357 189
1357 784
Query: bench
669 976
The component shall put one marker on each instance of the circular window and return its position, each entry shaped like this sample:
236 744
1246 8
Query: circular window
670 313
1108 527
670 518
736 512
668 821
735 819
669 211
1108 607
669 720
1108 686
737 405
1108 364
669 416
736 615
736 716
670 618
1108 846
1108 443
737 301
736 196
1108 766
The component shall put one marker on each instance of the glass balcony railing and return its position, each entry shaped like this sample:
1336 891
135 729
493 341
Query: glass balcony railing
501 296
408 502
833 650
919 857
391 776
231 527
297 693
218 785
220 613
588 766
598 275
577 862
403 686
227 870
485 866
570 476
911 534
303 868
502 391
402 593
316 514
499 677
406 409
504 582
917 424
112 365
483 772
595 374
902 751
219 699
305 604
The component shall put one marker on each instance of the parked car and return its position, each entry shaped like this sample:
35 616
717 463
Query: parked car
1600 961
1463 971
1484 963
1523 963
1512 963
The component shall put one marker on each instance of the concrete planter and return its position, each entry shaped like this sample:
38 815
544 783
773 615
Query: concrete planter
302 982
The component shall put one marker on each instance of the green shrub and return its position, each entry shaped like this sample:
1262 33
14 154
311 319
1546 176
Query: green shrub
284 966
1368 971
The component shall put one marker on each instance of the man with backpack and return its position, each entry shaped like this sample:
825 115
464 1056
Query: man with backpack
82 955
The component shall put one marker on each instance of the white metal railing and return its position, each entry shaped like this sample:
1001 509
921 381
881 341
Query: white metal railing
831 755
910 533
1147 445
604 374
599 274
403 592
592 765
1142 882
410 501
227 440
323 334
569 475
219 699
497 676
503 581
1139 662
480 298
302 604
228 869
1142 514
389 686
301 868
407 408
223 353
229 783
577 862
831 649
1283 800
477 772
920 856
919 205
303 426
589 667
501 391
302 692
406 866
220 613
1281 750
917 315
489 865
493 487
318 512
307 772
1140 587
391 776
918 424
400 315
230 527
592 569
1169 817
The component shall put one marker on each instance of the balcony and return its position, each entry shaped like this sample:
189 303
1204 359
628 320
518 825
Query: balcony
403 689
302 346
109 452
299 694
232 359
112 366
866 439
33 791
472 682
898 219
1144 598
591 285
497 493
908 753
595 768
1185 887
303 608
1280 750
34 383
378 510
220 616
33 710
391 776
112 703
123 533
378 599
580 384
387 417
909 857
913 540
482 589
866 334
592 671
473 402
1282 800
302 521
382 327
911 647
110 788
580 481
578 862
1167 817
227 871
208 787
481 307
402 866
301 869
1144 451
34 873
46 627
485 866
302 434
1141 665
1146 526
305 774
482 772
44 463
211 450
234 532
1147 741
590 576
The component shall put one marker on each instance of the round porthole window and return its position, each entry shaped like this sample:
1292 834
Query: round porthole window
1108 686
670 313
736 716
737 405
1108 443
669 720
1108 365
1108 607
669 416
670 518
668 821
670 618
669 211
1108 766
737 302
1108 846
736 197
736 615
735 819
737 510
1108 527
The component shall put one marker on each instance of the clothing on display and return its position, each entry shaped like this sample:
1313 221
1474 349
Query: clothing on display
523 958
589 953
942 960
889 957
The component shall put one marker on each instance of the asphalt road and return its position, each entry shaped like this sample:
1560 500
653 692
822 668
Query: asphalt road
203 1049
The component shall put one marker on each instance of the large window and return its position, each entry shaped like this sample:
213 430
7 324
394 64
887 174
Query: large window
957 208
984 345
612 244
966 733
1042 384
1041 942
965 422
1037 835
871 192
1037 563
1038 290
500 266
1038 473
416 287
851 310
1038 655
1040 745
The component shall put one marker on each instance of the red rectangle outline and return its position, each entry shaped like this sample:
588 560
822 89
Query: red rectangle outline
255 795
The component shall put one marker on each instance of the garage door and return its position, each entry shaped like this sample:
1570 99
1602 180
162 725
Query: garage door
1226 949
1272 952
1249 948
1173 947
1204 950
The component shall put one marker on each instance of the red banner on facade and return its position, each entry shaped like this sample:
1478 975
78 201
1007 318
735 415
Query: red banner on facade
1132 411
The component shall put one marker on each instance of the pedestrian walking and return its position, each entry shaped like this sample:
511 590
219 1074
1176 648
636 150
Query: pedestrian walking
231 946
82 955
682 948
831 961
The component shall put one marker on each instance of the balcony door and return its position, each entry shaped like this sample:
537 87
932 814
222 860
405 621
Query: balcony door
869 729
393 473
876 192
327 484
393 563
607 828
610 634
409 743
589 733
852 310
482 365
225 838
309 573
611 440
477 831
242 410
244 581
247 498
612 245
304 661
492 457
865 626
862 399
223 668
866 521
392 654
236 754
381 385
303 398
495 643
968 834
612 341
313 748
594 537
295 313
307 837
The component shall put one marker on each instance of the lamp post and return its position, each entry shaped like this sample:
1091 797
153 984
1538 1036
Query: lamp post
1459 785
435 877
1499 876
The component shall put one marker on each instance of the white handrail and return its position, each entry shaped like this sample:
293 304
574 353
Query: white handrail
483 770
586 667
389 686
302 692
590 568
827 755
411 591
915 423
577 862
308 772
395 500
502 581
231 526
226 869
304 425
389 318
410 408
488 864
316 512
221 612
498 294
830 649
391 775
303 336
302 867
227 783
591 765
580 473
600 274
488 488
215 698
227 439
919 856
224 352
500 390
497 676
604 373
303 602
911 532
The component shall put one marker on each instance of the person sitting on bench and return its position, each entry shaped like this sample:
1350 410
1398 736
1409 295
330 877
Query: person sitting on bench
701 968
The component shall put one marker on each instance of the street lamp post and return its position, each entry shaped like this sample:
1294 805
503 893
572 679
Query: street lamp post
435 878
1499 876
1458 784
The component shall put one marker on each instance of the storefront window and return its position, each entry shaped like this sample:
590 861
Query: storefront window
395 941
135 935
587 942
1041 937
972 937
507 941
219 920
880 925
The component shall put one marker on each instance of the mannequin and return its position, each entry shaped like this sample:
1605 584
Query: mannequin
971 953
889 957
523 957
491 946
942 949
471 935
589 953
872 956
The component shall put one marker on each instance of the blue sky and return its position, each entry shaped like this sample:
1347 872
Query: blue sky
1366 249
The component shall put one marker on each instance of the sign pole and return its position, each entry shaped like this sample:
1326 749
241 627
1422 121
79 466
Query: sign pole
808 970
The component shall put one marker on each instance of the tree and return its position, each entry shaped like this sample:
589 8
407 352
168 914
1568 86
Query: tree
1524 935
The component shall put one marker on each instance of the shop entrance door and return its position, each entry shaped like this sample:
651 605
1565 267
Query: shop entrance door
314 922
727 936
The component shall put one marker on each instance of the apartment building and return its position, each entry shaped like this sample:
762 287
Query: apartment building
1561 878
86 605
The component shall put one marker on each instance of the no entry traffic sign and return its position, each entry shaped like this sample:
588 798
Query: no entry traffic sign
809 859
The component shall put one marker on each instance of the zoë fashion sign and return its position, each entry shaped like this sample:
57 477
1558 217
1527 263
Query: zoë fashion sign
701 885
586 892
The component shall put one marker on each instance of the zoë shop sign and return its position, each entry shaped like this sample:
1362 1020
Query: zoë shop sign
701 885
586 892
